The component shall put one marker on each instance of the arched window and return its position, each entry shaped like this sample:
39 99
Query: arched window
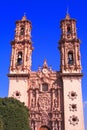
19 58
45 87
22 31
70 58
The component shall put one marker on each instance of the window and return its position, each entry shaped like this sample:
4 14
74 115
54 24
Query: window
70 58
22 31
45 87
19 59
17 94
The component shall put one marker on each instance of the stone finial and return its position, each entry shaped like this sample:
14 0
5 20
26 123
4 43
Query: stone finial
24 18
67 16
45 64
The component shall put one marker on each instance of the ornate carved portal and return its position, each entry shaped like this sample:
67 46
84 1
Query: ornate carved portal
44 100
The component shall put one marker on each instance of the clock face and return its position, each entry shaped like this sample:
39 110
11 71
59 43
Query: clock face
44 70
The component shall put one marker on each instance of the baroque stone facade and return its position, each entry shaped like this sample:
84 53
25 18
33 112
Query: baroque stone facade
45 92
54 98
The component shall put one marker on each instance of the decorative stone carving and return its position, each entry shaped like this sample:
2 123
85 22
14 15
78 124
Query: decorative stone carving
73 120
55 103
72 95
44 118
44 102
73 107
32 125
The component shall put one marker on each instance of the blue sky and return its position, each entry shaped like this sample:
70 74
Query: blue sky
45 16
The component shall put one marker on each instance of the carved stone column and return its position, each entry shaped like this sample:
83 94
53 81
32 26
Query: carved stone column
53 125
30 97
59 99
37 94
14 57
65 56
53 97
75 55
33 125
28 57
59 125
25 52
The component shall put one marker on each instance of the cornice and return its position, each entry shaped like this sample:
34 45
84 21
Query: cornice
71 74
18 75
69 40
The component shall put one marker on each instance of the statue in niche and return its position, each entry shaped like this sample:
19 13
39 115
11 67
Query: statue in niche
55 103
33 103
44 118
56 126
32 125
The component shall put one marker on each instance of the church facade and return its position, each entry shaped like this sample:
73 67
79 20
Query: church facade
54 98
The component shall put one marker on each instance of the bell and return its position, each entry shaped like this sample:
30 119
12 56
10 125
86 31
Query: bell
19 56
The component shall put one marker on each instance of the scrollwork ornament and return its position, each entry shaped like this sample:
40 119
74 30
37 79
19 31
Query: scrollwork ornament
44 103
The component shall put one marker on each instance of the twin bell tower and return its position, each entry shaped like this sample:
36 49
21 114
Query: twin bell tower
54 98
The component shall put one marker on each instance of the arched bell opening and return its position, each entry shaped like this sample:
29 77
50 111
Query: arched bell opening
22 31
70 58
19 58
68 30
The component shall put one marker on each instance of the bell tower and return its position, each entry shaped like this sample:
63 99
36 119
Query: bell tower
69 46
21 47
20 65
70 69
